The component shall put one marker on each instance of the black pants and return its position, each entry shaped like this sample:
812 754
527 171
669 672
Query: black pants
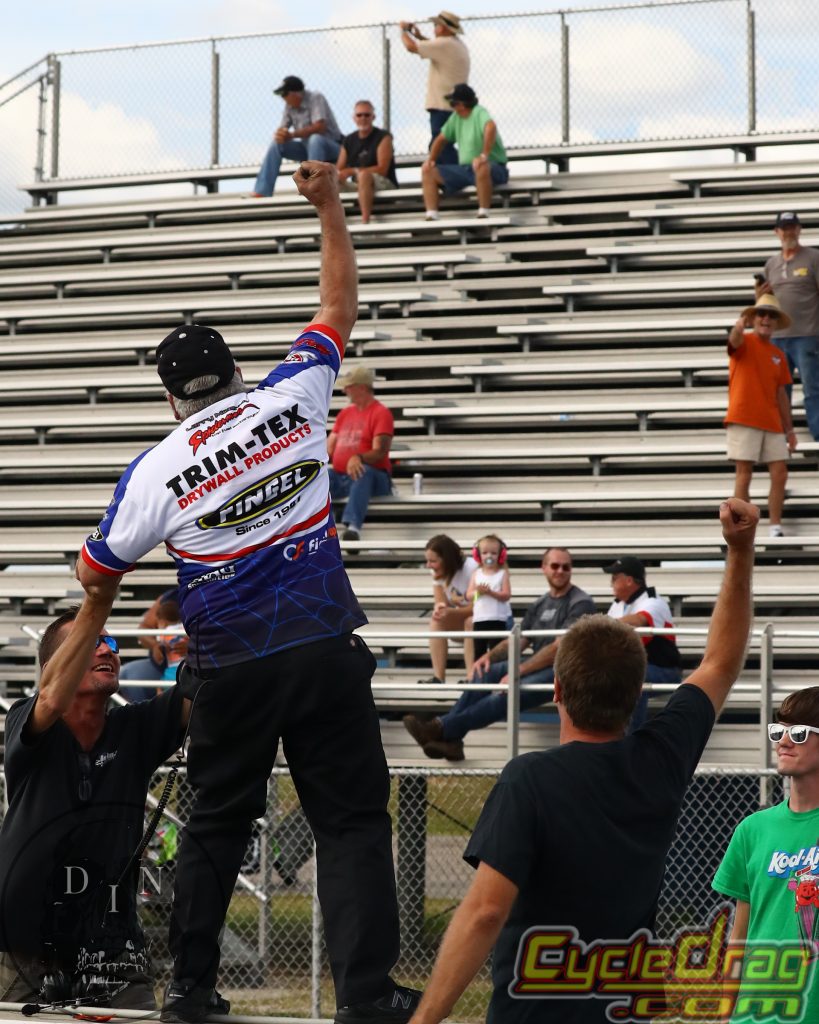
317 699
483 644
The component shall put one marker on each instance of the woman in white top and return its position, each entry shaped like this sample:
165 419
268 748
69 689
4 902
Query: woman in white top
451 573
489 591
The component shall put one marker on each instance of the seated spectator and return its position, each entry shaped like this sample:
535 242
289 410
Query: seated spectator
451 573
359 450
561 605
174 645
366 161
489 590
481 156
635 604
152 668
308 131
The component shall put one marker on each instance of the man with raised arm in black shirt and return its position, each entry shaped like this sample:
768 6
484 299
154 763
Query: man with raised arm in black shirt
573 840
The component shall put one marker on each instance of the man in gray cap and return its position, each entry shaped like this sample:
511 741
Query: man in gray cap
308 131
792 275
359 450
637 605
448 64
239 494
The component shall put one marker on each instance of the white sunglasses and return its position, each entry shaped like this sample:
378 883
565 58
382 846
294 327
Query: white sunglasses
796 733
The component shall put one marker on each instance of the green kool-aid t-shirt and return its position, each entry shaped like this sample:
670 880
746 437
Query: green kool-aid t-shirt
770 854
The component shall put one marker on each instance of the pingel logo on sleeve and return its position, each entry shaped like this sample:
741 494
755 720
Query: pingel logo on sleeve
263 496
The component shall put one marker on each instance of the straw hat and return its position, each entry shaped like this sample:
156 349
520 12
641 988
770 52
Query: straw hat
769 304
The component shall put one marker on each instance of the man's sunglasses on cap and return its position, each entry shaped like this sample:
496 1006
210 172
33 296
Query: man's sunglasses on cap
109 641
796 733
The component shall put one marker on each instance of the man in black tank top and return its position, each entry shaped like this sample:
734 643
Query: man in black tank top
366 160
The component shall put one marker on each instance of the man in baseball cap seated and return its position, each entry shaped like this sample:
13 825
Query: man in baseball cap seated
307 131
635 604
359 450
481 156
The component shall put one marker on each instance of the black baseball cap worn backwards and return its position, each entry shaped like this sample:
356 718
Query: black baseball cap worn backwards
290 83
193 351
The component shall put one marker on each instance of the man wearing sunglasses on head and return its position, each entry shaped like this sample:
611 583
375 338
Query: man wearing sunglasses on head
561 605
77 776
771 866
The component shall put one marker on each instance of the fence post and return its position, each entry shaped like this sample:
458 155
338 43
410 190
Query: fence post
315 950
751 24
39 169
54 80
411 868
386 79
765 707
214 108
564 77
513 695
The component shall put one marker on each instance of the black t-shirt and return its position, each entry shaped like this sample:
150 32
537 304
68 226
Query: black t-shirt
583 830
556 613
73 821
364 152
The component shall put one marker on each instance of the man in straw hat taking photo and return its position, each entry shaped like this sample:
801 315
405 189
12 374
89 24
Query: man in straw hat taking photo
758 421
448 64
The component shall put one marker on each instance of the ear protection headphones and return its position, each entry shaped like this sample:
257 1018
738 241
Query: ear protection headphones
504 551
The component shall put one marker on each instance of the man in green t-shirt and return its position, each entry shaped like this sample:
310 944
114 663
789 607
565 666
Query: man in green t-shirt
771 868
481 156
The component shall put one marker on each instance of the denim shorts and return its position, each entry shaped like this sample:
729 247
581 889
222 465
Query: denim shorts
459 176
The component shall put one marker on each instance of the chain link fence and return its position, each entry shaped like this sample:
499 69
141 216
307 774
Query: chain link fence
606 74
273 957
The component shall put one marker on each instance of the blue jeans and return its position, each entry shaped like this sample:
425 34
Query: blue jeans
803 354
319 147
458 176
373 483
144 668
476 710
437 120
654 674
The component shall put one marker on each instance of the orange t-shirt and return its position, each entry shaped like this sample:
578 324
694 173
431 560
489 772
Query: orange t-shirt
756 370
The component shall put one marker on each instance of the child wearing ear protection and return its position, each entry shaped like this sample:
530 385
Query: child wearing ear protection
489 589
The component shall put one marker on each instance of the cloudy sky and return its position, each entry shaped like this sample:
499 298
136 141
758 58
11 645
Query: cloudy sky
659 71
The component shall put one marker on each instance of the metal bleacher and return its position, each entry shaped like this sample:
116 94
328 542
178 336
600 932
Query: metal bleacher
557 372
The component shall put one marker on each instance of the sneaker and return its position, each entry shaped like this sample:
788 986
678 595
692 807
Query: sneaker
190 1004
431 681
423 732
395 1008
351 533
431 215
451 750
775 530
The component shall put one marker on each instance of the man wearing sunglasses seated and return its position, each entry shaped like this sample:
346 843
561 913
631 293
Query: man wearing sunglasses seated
77 776
561 605
771 866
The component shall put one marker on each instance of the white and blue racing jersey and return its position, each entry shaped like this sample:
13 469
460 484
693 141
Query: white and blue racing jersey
239 494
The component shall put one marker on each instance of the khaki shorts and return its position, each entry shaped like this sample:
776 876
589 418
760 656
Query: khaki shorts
749 444
351 185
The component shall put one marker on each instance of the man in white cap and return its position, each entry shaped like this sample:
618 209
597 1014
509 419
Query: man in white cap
792 275
758 421
448 59
359 450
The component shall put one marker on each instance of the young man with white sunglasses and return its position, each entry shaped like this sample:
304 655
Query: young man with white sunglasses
771 866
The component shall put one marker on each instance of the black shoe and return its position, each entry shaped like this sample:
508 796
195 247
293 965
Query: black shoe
431 681
395 1008
190 1004
351 534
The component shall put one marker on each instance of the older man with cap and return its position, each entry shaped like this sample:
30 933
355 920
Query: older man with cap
792 275
239 494
636 604
308 131
758 421
359 450
448 59
481 156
